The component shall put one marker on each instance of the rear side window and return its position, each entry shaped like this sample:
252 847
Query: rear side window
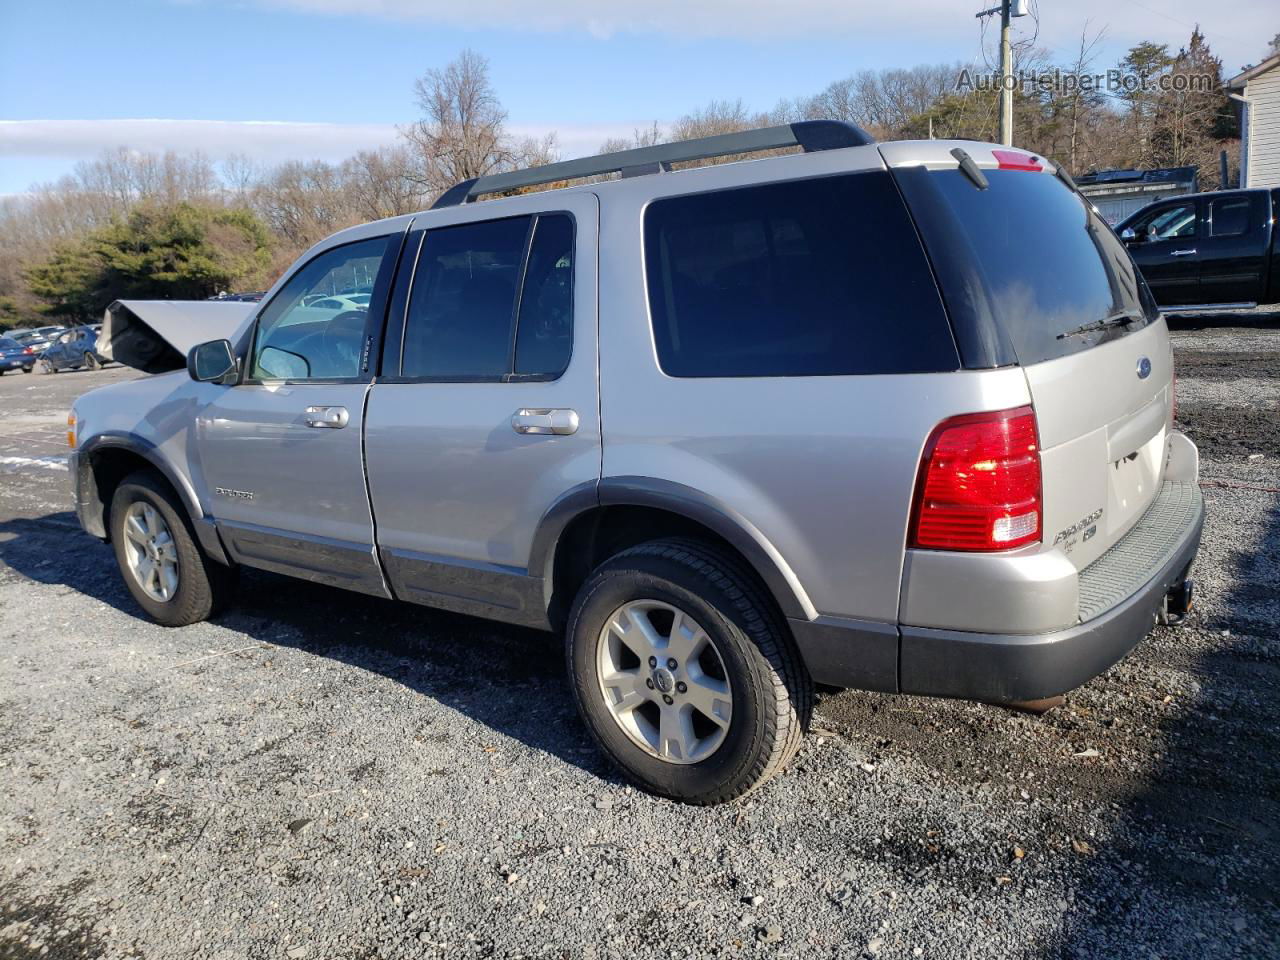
1229 216
462 305
821 277
544 328
492 300
1029 255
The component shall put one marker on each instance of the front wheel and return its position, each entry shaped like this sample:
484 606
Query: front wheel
44 366
91 362
684 673
162 565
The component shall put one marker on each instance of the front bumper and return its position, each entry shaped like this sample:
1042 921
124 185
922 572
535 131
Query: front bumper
1121 594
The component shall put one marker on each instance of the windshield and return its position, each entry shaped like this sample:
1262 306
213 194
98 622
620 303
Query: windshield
1040 262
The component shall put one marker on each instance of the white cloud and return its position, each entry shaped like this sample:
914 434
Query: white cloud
62 142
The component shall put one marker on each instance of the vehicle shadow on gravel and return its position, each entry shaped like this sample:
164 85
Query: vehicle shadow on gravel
1193 868
489 671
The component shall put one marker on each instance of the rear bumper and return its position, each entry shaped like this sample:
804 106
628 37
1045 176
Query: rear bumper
1005 667
1119 597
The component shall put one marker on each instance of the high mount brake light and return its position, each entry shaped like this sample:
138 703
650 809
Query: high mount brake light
1016 160
978 487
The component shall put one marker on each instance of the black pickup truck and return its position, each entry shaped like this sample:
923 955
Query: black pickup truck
1208 249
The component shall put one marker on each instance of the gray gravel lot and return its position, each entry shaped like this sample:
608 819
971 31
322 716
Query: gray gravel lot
327 775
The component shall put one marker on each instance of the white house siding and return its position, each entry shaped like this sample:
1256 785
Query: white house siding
1263 93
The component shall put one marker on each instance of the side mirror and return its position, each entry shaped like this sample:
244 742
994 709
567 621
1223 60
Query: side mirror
1128 235
212 362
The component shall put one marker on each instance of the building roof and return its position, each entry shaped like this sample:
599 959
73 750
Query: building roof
1119 178
1237 83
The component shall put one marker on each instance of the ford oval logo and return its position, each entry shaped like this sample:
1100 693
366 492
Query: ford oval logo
1144 368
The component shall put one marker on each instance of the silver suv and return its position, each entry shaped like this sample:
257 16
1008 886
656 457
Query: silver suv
889 416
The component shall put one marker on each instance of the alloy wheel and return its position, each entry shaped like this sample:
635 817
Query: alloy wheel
664 681
150 551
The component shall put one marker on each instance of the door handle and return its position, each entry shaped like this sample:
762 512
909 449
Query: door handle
335 418
561 422
1182 253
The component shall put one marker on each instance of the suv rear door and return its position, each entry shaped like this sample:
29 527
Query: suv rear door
1233 247
486 411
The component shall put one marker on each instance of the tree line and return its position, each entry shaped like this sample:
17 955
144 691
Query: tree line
180 226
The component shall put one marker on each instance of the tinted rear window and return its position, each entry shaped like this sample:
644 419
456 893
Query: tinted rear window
1029 251
7 344
819 277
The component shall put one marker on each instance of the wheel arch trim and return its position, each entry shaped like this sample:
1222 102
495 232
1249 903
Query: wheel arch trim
205 529
684 501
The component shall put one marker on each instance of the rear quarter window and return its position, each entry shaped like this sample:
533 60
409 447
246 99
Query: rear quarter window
822 277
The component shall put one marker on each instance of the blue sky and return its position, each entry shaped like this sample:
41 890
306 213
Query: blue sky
73 73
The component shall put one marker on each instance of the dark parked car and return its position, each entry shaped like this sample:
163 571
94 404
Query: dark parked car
72 350
15 356
1208 249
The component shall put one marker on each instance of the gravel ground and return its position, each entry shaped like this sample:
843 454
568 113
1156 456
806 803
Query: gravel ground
333 776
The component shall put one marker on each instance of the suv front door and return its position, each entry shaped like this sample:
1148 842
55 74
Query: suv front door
280 451
1164 247
486 411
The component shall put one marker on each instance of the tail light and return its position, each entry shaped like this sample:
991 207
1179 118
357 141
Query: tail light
28 350
979 483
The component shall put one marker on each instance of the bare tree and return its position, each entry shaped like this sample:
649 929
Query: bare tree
718 116
647 137
380 183
239 175
1081 102
461 132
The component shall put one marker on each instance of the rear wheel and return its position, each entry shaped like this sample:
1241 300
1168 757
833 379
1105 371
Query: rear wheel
684 672
162 565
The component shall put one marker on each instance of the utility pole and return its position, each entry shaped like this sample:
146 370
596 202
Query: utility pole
1008 9
1006 79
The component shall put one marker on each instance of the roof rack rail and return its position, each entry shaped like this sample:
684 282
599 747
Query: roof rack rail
812 135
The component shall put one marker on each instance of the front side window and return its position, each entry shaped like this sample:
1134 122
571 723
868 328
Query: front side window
492 300
1169 223
1229 216
314 328
821 277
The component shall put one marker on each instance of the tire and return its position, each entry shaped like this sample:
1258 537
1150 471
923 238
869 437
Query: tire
91 362
203 586
770 695
44 367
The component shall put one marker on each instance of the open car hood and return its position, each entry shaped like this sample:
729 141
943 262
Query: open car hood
154 336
